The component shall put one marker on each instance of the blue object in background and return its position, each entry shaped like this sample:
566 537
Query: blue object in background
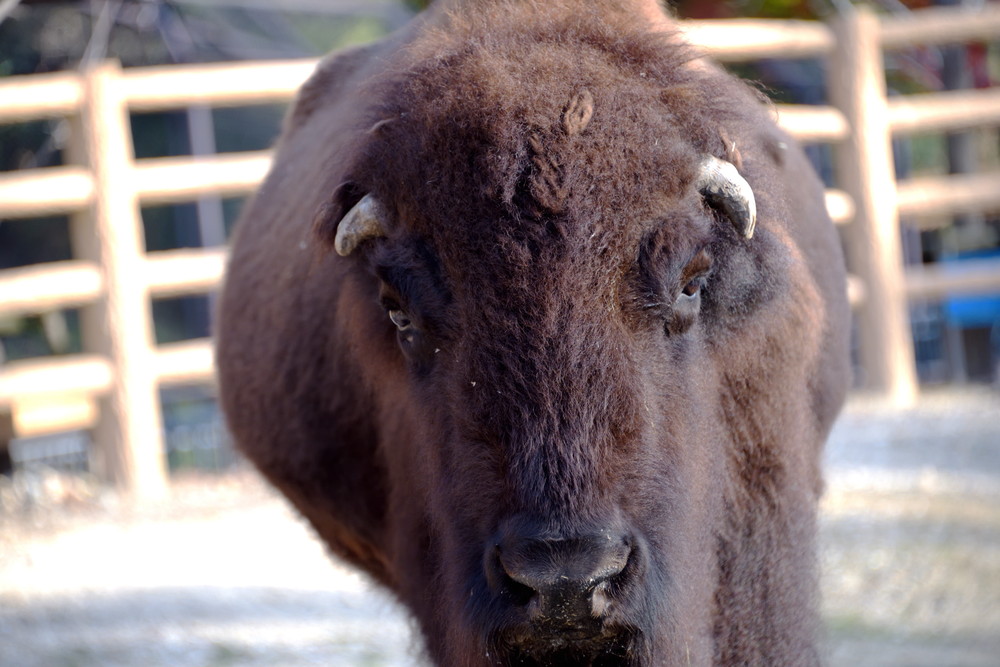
968 312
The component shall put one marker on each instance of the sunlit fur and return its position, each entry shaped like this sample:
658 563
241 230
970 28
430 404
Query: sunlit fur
536 160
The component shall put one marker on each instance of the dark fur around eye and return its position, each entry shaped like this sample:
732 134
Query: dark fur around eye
413 339
687 303
683 313
672 283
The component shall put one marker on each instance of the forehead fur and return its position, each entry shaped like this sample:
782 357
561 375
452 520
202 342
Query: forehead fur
474 142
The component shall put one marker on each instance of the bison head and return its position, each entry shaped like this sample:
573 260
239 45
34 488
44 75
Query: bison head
560 384
566 299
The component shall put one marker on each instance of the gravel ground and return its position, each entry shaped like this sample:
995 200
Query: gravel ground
910 533
224 573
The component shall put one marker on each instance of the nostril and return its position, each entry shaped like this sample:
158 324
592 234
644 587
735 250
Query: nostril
520 594
561 579
502 582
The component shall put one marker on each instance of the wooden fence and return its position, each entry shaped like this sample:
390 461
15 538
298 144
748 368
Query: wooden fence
112 387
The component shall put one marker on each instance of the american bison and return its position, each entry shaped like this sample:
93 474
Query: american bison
541 322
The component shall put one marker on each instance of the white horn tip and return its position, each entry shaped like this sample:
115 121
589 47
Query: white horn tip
362 222
722 183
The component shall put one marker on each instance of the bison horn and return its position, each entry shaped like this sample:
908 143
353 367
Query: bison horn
722 187
362 222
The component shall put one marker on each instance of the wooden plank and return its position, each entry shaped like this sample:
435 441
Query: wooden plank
968 277
216 85
865 170
40 288
35 96
176 179
53 414
939 195
938 112
54 190
185 271
855 291
49 191
186 362
941 25
50 376
813 124
54 389
732 40
839 206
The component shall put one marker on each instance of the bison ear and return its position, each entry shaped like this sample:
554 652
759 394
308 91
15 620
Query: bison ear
720 183
577 114
363 219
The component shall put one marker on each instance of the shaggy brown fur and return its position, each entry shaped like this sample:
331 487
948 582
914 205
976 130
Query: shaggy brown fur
592 348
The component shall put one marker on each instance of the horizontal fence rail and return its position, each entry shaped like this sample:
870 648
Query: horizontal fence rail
51 190
738 40
48 191
968 277
174 363
40 96
813 124
940 25
940 195
940 112
41 288
158 88
70 392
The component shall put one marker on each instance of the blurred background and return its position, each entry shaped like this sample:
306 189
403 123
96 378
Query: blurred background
175 553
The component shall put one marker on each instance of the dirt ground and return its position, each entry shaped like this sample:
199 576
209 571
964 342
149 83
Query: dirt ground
224 573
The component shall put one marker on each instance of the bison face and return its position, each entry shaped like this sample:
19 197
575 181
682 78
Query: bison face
558 486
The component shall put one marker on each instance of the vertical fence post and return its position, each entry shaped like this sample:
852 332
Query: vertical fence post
128 438
865 169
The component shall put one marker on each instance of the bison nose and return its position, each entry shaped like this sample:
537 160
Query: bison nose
562 580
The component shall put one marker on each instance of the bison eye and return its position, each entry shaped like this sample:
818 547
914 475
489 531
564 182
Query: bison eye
417 346
401 320
692 289
686 306
410 336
